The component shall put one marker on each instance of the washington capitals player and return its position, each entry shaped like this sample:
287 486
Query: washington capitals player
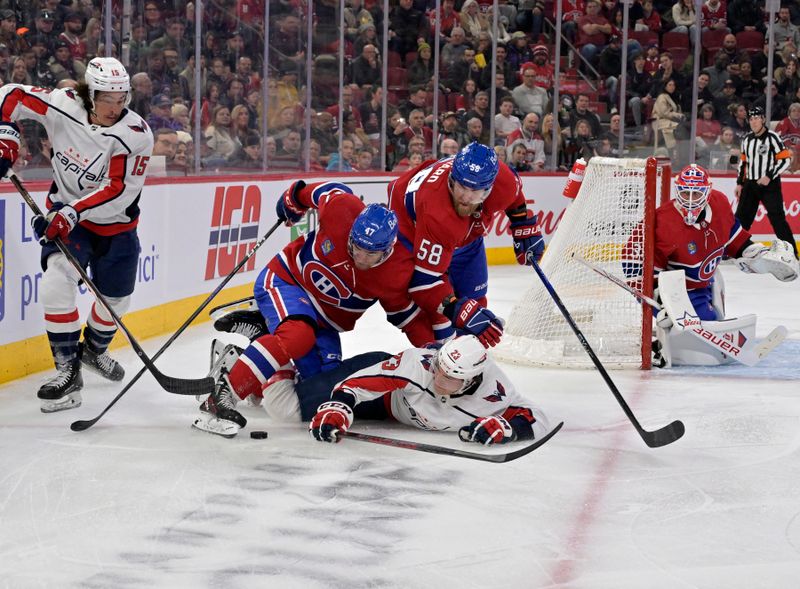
693 232
99 157
318 286
445 208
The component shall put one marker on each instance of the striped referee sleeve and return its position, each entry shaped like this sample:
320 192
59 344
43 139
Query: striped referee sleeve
783 157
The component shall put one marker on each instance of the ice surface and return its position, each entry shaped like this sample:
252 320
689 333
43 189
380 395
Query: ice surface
142 500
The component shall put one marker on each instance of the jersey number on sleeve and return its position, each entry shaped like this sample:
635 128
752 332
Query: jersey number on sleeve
430 251
140 165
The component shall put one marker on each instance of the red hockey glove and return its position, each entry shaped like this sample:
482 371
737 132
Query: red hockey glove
468 315
528 241
331 418
488 431
60 222
288 208
9 147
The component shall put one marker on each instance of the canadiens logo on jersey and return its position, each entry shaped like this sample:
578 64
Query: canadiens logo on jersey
692 247
498 395
330 288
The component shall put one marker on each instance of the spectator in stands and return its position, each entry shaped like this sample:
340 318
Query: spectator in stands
355 16
517 157
345 158
528 96
160 116
668 115
733 53
351 131
451 129
165 143
313 149
420 73
760 60
747 87
726 154
219 73
234 93
666 72
572 11
612 137
417 128
476 132
233 48
62 66
180 114
737 120
610 65
651 59
542 68
448 19
164 81
789 131
725 99
347 106
708 128
221 139
780 105
40 146
518 52
480 110
367 35
547 137
650 20
745 15
464 69
322 129
704 95
153 25
240 122
271 147
638 89
505 122
714 16
416 147
473 21
44 27
396 144
581 144
371 112
19 72
483 46
248 155
288 155
8 32
529 136
285 121
593 32
92 38
141 93
583 112
449 147
417 100
364 160
174 37
717 74
407 27
788 78
287 43
684 17
366 68
501 66
453 50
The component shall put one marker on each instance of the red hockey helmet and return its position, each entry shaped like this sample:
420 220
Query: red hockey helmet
691 192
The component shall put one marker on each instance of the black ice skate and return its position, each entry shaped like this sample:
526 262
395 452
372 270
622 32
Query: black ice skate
250 324
63 390
218 414
102 364
658 359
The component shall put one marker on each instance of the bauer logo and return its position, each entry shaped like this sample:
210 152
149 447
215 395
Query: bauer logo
234 229
2 259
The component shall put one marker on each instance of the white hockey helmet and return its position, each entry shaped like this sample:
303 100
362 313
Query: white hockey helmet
107 74
462 358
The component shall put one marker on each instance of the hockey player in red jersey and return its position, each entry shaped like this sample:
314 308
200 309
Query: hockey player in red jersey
445 208
100 152
693 232
318 286
457 388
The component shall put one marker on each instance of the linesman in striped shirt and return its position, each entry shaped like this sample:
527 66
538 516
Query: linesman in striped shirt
764 158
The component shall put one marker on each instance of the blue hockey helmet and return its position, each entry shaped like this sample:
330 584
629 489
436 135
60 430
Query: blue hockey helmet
374 230
475 167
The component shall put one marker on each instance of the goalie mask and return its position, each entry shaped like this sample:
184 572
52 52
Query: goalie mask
691 192
106 74
373 232
458 364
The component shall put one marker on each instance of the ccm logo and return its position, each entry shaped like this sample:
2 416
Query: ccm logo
234 229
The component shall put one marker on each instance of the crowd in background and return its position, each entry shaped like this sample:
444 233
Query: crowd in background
47 43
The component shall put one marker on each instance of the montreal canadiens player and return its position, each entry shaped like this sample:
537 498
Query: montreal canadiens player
456 388
318 286
445 208
693 232
100 152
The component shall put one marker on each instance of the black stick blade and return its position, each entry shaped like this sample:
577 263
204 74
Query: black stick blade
666 435
181 386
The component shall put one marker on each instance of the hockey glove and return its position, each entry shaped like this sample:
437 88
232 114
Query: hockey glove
528 241
9 146
777 260
331 418
59 221
468 315
488 431
663 320
288 208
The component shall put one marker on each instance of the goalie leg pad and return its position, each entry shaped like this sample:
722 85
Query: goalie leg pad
686 349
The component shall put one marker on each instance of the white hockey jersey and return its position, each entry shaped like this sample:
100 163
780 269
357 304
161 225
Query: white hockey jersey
406 383
97 170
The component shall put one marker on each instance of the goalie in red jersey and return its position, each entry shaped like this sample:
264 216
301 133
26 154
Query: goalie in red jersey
445 208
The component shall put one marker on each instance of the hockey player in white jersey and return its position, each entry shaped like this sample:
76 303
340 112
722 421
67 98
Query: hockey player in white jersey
100 152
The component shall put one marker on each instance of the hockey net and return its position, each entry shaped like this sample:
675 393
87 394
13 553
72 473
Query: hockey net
616 201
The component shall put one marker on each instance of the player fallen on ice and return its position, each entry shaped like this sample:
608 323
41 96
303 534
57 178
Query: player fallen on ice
100 154
693 232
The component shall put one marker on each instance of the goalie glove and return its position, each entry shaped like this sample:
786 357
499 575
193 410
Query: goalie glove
487 431
777 260
331 418
288 208
663 320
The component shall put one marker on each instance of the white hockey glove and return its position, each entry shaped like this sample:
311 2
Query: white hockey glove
777 260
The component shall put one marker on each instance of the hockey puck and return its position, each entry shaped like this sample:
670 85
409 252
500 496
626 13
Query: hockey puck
259 435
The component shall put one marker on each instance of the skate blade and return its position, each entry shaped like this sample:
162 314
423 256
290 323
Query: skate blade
213 425
69 401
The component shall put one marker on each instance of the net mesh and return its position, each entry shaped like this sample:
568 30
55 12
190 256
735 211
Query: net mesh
607 211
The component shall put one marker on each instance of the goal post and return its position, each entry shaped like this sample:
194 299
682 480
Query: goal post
614 207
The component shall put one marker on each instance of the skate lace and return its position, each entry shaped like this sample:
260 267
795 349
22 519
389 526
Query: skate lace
62 377
224 397
246 329
105 362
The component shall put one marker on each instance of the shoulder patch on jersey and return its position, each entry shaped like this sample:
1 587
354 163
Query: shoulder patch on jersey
137 128
391 363
497 395
70 93
327 247
692 247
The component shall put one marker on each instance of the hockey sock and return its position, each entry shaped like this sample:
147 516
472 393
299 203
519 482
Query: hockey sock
63 333
268 354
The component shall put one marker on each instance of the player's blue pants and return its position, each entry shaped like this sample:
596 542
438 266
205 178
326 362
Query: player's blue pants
293 301
468 271
702 301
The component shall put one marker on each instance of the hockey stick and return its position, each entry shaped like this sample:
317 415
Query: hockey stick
81 425
655 439
225 306
498 458
180 386
749 356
